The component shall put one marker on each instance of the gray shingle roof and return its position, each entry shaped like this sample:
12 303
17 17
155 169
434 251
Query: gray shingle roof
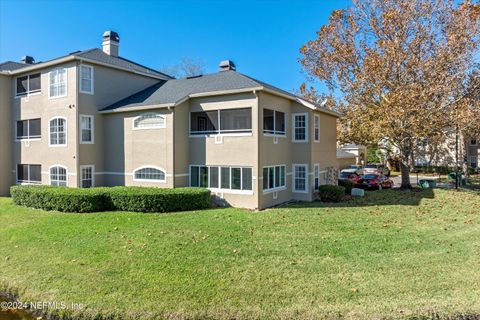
100 56
173 91
11 66
94 54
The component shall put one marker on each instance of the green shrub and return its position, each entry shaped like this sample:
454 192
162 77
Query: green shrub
328 193
61 198
348 185
136 199
140 199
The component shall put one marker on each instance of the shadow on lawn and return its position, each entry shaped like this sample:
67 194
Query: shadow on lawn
374 198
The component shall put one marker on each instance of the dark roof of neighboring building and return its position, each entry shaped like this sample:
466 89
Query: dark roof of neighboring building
96 55
175 90
11 65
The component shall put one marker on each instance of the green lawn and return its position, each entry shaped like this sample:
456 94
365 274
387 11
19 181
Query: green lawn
392 254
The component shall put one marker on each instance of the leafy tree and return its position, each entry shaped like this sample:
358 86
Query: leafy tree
398 65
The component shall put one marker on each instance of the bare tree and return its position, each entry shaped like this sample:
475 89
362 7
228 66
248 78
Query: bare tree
187 67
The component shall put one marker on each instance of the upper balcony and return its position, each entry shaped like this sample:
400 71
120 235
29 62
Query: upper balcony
230 122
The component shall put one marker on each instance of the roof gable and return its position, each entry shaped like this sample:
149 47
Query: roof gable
172 92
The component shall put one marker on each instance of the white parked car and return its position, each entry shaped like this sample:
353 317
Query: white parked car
358 168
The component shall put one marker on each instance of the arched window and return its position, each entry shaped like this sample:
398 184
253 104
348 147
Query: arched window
149 174
58 176
149 121
58 131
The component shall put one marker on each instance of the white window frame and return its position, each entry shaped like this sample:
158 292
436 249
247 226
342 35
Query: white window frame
28 93
50 174
280 188
91 79
219 189
29 181
92 167
151 127
316 128
275 132
49 133
294 166
294 115
29 137
164 180
473 144
92 129
316 174
50 84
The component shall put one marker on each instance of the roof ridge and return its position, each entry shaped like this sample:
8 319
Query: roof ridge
141 65
76 53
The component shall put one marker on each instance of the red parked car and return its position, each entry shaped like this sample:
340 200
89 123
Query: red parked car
349 175
374 181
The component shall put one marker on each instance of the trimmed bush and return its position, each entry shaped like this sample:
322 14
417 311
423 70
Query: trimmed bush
328 193
138 199
61 198
348 185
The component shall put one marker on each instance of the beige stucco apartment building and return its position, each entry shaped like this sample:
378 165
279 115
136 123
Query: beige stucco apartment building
93 118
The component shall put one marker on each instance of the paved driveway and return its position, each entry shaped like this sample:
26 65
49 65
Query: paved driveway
413 180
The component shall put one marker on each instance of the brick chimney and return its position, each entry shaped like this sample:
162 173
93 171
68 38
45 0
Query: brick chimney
110 43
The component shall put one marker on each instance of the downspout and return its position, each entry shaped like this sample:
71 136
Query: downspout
257 150
77 125
173 147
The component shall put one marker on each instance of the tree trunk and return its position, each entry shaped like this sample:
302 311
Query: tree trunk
464 153
405 169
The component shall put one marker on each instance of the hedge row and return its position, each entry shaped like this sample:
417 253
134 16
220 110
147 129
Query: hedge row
330 193
137 199
348 185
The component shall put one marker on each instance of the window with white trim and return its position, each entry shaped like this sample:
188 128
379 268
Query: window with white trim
87 176
316 130
300 127
86 129
150 120
29 173
273 177
58 132
300 181
86 79
28 129
221 121
58 176
28 84
57 83
149 174
273 122
223 178
316 175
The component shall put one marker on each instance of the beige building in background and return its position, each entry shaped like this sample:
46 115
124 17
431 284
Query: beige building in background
93 118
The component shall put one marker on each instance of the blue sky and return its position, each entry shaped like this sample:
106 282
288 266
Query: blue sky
262 37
